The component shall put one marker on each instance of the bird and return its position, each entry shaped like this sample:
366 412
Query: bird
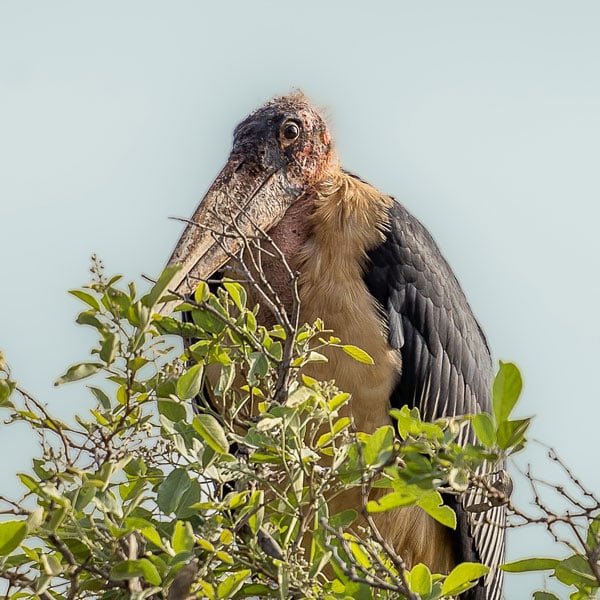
375 276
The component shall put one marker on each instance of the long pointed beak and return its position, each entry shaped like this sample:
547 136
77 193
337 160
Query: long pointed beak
242 202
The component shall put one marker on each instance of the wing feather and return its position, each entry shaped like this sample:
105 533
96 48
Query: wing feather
446 364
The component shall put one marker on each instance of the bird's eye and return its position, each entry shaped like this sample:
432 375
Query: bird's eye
289 132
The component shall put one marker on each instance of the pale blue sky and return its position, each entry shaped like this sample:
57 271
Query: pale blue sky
483 118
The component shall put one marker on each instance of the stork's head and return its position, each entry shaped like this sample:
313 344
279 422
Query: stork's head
280 153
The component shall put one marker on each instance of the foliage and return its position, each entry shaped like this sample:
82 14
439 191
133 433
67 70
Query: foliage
213 473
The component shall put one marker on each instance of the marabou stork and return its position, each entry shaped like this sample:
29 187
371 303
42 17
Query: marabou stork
376 277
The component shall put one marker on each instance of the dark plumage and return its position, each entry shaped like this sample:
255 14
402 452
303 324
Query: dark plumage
446 364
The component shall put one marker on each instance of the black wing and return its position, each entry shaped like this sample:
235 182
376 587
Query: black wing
446 364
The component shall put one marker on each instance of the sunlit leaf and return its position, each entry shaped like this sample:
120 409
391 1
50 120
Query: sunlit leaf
173 410
575 570
511 433
12 533
189 384
506 391
101 396
77 372
212 432
51 564
420 580
6 389
231 584
357 354
379 447
434 506
152 535
256 511
86 297
202 292
549 596
390 501
172 489
338 400
458 479
160 287
530 564
259 366
128 569
237 294
109 348
484 429
183 537
224 557
463 577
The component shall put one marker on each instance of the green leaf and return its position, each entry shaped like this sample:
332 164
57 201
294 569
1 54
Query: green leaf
138 315
101 396
189 384
57 517
484 429
458 479
237 294
463 577
359 553
128 569
85 297
259 366
108 503
506 391
576 571
548 596
420 580
51 564
79 550
183 537
224 557
208 321
152 535
212 433
338 400
225 381
84 496
191 497
530 564
434 506
407 421
88 317
117 302
109 348
390 501
6 389
202 292
379 447
77 372
256 590
593 533
12 533
226 537
133 490
343 519
172 489
512 433
173 410
256 511
159 288
357 354
230 585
